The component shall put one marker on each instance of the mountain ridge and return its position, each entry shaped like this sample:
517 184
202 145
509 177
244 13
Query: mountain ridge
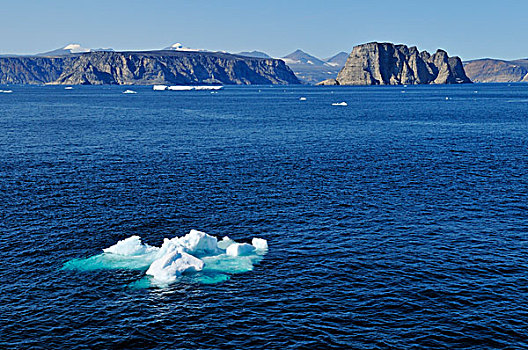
490 70
144 68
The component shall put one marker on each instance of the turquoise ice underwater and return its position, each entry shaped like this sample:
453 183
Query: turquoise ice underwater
196 254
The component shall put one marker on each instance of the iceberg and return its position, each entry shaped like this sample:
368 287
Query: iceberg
180 88
196 242
68 88
259 243
129 92
172 265
344 104
187 87
129 246
302 99
192 87
209 87
225 242
196 255
240 249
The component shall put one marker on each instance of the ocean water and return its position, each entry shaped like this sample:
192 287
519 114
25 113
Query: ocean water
396 222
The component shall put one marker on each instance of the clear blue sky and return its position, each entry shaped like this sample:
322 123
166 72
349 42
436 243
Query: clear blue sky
469 29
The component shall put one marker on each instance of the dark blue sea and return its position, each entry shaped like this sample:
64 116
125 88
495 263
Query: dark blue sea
399 221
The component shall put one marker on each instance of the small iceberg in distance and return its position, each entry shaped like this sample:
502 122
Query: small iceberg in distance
302 99
197 255
208 87
187 87
344 104
129 92
191 87
179 88
68 88
6 91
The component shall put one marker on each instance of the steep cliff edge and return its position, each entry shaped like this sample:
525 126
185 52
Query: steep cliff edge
145 68
390 64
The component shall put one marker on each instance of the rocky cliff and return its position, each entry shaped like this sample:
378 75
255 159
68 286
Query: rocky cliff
489 70
145 68
390 64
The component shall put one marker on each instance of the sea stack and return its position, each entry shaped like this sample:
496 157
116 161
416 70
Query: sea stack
389 64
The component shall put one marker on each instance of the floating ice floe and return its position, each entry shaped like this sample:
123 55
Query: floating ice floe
302 99
340 104
186 87
129 92
68 88
6 91
196 255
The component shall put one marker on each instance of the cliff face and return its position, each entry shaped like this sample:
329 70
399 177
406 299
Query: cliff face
390 64
489 70
145 68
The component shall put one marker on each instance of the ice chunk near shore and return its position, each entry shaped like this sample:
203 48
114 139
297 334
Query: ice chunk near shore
68 88
129 92
172 265
159 87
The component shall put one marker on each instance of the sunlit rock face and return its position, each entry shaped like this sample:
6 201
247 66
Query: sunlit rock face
390 64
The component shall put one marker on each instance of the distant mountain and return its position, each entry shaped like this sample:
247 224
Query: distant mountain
257 54
66 50
338 59
301 57
311 69
488 70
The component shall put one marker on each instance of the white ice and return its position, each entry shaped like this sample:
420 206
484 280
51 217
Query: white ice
172 265
193 87
259 243
225 242
129 92
344 104
130 246
240 249
196 252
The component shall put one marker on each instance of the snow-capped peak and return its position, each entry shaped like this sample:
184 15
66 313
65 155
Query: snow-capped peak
75 48
180 47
